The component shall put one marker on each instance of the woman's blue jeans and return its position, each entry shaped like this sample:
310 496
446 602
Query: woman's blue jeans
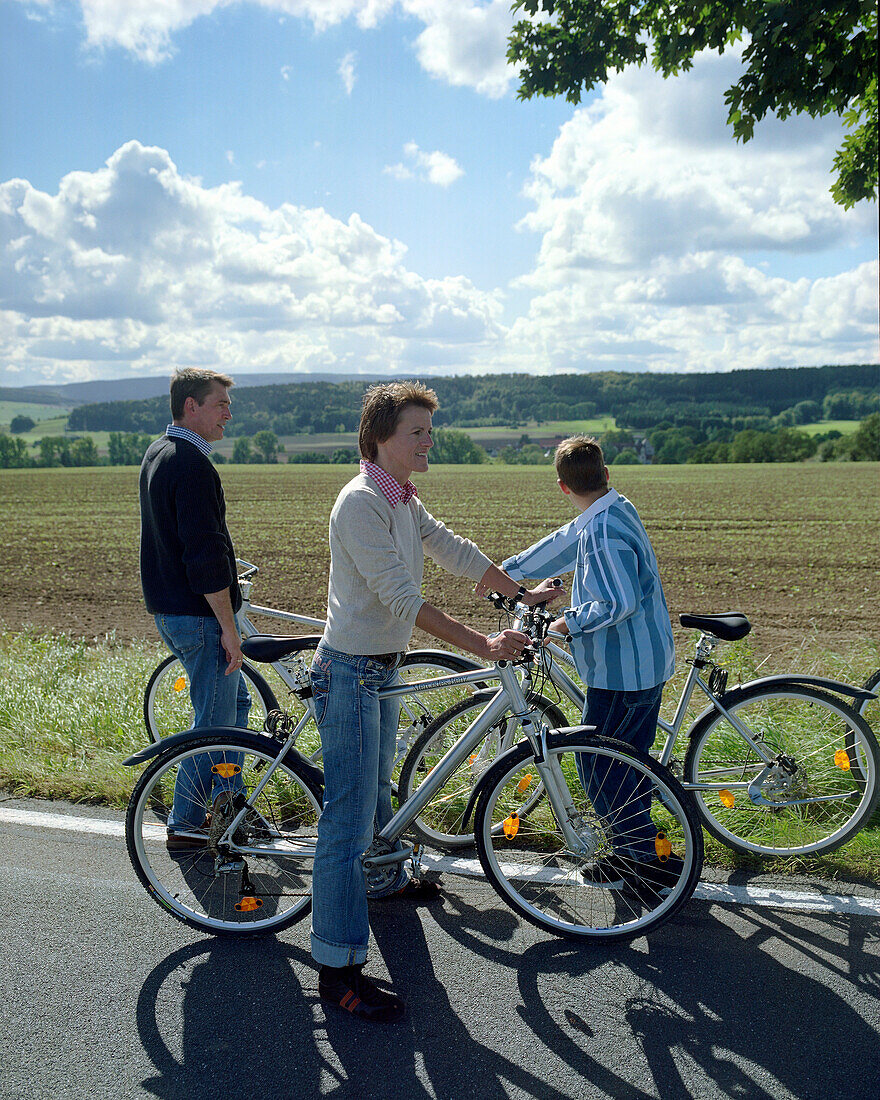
358 739
217 700
619 795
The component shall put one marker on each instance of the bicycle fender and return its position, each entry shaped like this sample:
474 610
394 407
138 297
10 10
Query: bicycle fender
261 741
467 663
735 694
835 686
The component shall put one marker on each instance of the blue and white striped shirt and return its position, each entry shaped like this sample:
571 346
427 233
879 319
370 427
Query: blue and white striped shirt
621 637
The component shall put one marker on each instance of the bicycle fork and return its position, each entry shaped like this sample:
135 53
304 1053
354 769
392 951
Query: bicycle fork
580 837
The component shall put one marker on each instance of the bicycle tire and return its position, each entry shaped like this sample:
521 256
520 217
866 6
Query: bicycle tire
167 708
811 728
533 869
441 825
187 884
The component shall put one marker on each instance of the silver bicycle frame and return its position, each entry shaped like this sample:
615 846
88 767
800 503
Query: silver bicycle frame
706 644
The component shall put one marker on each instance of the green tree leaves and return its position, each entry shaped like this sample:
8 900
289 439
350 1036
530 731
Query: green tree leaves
799 57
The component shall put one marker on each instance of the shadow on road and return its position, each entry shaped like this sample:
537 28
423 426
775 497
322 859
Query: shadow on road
748 1000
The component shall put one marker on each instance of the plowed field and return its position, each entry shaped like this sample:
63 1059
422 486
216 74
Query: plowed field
794 547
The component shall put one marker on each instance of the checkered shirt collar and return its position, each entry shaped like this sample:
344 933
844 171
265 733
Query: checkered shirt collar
392 490
177 431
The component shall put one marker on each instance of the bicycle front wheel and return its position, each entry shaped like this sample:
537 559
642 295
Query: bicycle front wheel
446 821
167 706
819 789
591 878
259 880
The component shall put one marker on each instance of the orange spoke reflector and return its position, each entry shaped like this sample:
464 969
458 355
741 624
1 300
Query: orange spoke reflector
511 826
662 846
180 683
248 905
227 771
726 798
841 759
524 783
472 758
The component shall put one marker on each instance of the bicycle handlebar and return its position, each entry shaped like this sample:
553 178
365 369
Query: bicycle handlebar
248 569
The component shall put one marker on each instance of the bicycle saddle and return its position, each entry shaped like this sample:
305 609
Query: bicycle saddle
730 626
266 648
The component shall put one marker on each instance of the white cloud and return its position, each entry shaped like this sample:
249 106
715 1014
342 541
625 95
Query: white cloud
464 42
346 71
651 221
137 263
436 167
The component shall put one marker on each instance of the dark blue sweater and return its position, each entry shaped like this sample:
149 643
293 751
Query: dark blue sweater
186 549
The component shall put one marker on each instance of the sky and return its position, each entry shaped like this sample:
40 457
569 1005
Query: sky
353 186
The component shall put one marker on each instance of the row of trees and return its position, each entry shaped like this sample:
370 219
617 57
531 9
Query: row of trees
123 449
667 444
637 401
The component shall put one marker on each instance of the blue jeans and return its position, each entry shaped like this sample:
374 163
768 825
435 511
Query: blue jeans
619 796
358 739
217 700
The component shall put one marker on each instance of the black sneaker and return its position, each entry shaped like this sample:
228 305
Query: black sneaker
608 872
648 879
349 988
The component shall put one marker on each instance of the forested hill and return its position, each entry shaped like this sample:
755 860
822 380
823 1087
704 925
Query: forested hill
637 401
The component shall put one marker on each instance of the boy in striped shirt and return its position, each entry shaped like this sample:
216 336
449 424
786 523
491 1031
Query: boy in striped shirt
621 640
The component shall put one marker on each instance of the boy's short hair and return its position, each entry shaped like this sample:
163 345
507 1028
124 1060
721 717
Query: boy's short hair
580 464
383 405
195 382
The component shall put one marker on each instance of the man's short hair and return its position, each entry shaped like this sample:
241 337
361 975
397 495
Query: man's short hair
580 464
383 405
195 382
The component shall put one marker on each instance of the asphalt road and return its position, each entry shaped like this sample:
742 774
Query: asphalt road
105 996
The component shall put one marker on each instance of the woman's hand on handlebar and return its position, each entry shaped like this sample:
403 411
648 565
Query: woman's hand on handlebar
507 645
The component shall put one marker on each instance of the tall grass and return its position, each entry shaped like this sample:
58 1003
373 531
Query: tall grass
70 713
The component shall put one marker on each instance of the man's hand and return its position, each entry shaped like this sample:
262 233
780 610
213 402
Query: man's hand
505 646
231 643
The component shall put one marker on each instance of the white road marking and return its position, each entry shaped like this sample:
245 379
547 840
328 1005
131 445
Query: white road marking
718 893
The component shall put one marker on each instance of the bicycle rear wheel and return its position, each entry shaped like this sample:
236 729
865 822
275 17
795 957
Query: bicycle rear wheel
167 706
419 710
820 789
446 822
553 883
261 881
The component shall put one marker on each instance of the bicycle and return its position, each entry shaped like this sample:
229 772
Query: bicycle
253 874
779 766
167 707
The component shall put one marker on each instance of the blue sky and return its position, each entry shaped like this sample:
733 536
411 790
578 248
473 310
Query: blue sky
352 185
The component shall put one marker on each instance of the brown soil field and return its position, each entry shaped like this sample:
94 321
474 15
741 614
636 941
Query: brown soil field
795 547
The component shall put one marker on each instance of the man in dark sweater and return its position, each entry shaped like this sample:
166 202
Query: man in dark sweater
189 581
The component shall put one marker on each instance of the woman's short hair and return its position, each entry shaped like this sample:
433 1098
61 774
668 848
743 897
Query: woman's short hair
195 382
383 405
580 464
